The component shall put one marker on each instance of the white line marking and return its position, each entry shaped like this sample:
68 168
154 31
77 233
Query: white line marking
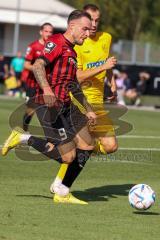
120 148
139 149
139 136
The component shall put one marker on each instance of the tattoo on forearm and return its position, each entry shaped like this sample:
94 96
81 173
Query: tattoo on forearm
40 74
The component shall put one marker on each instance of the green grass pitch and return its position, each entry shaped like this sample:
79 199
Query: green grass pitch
28 212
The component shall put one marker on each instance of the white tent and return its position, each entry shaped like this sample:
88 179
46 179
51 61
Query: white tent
20 19
34 12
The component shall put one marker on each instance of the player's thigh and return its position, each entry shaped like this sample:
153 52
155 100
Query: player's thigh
104 126
105 132
84 140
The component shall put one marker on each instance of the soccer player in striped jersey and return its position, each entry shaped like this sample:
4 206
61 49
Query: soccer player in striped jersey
93 65
34 50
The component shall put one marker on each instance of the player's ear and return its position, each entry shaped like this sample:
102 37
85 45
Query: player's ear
72 25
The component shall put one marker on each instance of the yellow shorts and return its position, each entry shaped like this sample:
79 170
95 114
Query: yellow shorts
104 126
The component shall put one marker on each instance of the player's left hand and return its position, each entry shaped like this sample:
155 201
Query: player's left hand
92 117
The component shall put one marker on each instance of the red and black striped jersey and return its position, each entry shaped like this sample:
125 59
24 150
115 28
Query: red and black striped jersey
34 50
61 67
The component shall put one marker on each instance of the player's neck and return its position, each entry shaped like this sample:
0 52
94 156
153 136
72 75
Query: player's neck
92 37
41 40
69 37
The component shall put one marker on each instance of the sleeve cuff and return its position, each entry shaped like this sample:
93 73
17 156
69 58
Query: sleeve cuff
45 59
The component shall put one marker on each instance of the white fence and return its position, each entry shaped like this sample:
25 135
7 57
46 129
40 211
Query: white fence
138 53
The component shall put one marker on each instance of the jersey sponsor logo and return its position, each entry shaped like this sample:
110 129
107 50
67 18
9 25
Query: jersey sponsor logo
95 64
49 47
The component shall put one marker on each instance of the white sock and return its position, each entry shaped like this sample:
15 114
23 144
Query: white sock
25 137
57 182
61 190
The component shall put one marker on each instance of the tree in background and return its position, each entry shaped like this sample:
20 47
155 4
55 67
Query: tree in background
128 19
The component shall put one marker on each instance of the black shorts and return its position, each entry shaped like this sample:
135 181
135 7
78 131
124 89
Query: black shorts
30 97
61 126
30 92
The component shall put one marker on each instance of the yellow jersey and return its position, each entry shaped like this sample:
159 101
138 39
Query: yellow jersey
92 54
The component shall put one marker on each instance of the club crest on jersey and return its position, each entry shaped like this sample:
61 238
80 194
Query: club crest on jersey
49 47
28 50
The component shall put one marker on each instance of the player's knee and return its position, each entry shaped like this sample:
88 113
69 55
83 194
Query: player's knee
91 144
110 146
69 157
86 145
89 147
114 147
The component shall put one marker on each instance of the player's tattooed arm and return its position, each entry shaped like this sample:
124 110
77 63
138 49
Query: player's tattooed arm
40 75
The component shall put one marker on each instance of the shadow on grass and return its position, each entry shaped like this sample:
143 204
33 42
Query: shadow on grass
146 213
103 193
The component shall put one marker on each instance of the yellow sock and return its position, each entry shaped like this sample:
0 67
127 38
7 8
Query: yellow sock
99 147
62 171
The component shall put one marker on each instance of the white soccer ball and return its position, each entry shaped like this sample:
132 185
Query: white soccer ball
141 197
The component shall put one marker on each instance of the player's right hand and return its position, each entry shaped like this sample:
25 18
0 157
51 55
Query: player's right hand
110 63
49 97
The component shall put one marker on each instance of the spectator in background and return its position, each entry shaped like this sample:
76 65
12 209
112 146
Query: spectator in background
130 92
120 86
141 86
142 83
12 88
4 71
17 65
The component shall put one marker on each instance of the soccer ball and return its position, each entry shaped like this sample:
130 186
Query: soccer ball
141 197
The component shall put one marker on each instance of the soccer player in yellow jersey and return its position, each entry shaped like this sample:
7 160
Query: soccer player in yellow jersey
93 62
91 57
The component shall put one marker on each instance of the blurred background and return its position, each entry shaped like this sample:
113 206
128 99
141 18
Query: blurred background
134 26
